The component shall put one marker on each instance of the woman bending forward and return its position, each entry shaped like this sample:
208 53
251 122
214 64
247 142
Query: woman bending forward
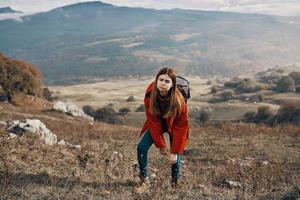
166 113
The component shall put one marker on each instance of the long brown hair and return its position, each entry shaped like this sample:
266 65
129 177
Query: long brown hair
174 101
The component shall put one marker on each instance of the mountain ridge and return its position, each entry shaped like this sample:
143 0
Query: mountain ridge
8 10
93 39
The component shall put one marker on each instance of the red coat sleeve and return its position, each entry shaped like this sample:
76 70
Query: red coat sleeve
180 131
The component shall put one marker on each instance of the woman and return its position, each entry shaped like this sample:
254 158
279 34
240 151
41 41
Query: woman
166 112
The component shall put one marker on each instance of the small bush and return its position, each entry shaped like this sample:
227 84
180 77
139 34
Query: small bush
107 114
48 94
19 77
250 116
247 86
141 108
3 96
286 84
264 114
124 111
214 89
87 109
130 99
294 194
257 97
209 82
295 76
226 95
234 83
289 112
203 116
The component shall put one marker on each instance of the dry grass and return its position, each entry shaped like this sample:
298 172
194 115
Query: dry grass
264 160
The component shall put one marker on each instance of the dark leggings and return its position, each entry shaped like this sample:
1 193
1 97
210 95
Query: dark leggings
142 156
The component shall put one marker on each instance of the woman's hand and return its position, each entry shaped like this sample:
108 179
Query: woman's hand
163 151
172 158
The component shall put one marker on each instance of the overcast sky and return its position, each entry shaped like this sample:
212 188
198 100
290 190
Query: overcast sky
275 7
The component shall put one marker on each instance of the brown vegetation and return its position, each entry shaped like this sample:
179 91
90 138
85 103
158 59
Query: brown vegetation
263 160
19 77
289 112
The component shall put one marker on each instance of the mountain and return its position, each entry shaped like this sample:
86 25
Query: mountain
84 41
8 10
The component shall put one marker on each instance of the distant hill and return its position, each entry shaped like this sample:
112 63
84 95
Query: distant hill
83 41
8 10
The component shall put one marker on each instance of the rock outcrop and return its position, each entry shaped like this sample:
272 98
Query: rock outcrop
34 126
71 109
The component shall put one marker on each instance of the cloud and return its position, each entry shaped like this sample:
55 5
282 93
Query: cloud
31 6
276 7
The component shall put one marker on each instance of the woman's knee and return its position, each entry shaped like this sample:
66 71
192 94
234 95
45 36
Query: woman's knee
141 148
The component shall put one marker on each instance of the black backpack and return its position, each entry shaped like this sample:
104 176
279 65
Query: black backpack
183 86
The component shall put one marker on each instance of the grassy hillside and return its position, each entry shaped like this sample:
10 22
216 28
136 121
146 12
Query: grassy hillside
263 160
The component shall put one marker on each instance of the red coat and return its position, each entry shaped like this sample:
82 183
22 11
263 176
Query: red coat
178 127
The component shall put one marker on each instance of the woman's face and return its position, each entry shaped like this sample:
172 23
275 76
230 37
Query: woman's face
164 83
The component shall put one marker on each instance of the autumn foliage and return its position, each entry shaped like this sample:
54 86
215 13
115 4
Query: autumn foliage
19 77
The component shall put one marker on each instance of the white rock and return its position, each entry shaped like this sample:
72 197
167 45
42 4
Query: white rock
60 106
265 162
62 142
234 183
34 126
77 146
3 123
12 136
71 109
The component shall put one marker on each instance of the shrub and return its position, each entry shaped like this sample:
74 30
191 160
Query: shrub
203 116
18 76
294 193
226 95
280 70
124 111
87 109
48 94
213 90
247 86
289 112
107 114
141 108
3 96
130 99
209 82
257 97
250 116
264 115
286 84
235 82
296 77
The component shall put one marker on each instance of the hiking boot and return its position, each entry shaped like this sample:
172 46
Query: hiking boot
175 185
143 185
144 180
